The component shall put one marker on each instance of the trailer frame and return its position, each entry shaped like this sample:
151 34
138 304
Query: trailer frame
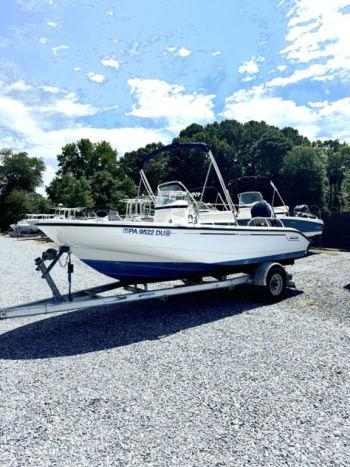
91 298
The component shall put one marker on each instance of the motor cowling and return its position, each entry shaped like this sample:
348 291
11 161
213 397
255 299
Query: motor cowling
301 209
262 209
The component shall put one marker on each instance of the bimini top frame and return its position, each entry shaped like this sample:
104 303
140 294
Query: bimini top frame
203 147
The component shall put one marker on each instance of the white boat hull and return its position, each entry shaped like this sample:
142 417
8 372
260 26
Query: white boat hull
148 251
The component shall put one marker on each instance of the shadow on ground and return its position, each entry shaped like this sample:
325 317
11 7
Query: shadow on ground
92 330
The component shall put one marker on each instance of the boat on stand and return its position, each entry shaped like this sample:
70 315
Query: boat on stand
181 239
169 235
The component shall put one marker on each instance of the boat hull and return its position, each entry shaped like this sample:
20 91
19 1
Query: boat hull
148 252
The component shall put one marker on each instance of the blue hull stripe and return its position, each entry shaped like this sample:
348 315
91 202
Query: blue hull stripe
129 270
303 225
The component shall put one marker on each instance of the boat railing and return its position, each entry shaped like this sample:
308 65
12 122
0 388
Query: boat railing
265 222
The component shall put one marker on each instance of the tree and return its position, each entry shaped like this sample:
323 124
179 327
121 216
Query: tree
19 171
293 135
20 175
338 162
108 191
84 159
270 151
304 172
89 175
345 188
157 170
70 192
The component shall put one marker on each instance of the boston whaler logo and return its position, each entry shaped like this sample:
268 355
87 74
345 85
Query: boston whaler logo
293 237
139 231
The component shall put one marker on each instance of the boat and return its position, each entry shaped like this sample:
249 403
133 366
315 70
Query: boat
181 239
300 218
61 212
28 225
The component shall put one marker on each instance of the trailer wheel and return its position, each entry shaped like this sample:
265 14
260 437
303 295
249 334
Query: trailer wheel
275 284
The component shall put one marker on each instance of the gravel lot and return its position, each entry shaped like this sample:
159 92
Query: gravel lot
207 379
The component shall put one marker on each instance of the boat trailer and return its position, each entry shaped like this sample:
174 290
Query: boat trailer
272 276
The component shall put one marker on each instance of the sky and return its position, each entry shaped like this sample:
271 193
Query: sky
138 72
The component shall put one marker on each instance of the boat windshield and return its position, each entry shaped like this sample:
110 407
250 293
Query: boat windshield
75 213
169 193
249 198
83 213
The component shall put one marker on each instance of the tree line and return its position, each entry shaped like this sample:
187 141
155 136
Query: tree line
91 174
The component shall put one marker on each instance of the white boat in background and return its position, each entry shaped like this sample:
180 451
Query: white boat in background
61 212
28 225
301 219
182 238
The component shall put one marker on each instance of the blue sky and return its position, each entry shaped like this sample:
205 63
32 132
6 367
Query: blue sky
136 72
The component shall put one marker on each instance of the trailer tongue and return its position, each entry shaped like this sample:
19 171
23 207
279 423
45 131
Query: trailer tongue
272 276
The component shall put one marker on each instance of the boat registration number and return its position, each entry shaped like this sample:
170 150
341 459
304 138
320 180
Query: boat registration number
155 232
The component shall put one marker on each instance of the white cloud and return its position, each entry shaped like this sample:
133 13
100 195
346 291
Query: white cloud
159 99
314 119
111 63
124 139
180 52
38 100
52 89
216 53
96 77
43 40
15 86
110 12
77 68
183 52
251 67
15 117
318 33
247 78
281 67
51 24
55 50
70 107
24 128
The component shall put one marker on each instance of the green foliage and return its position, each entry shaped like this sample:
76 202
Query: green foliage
345 189
269 153
89 175
20 175
157 170
70 192
19 171
253 148
338 162
84 159
38 204
304 172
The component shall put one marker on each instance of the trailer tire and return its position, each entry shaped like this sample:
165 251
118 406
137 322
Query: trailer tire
276 282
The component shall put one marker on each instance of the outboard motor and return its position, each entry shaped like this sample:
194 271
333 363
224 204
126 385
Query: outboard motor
301 210
262 209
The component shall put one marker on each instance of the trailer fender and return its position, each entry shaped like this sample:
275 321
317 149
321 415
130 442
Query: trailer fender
260 274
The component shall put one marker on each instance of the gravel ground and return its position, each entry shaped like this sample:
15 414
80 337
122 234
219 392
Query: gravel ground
209 379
